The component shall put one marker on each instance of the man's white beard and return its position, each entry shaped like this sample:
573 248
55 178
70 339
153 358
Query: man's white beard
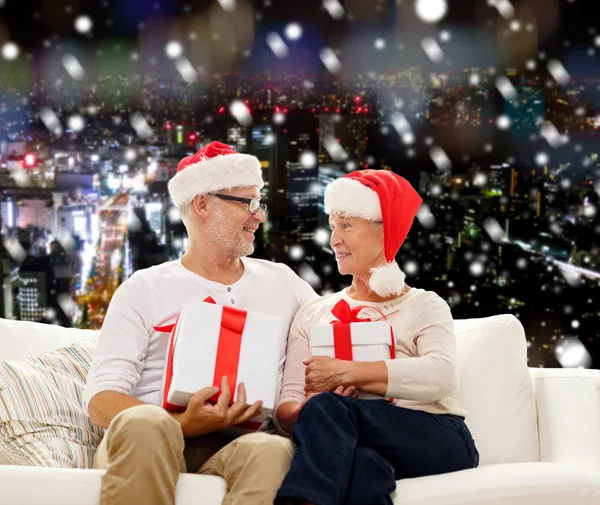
227 237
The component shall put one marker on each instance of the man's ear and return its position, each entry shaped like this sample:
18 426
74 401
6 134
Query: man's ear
200 205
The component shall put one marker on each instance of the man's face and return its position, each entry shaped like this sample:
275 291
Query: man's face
232 225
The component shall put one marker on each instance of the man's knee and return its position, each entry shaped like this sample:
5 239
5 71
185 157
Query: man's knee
270 448
143 421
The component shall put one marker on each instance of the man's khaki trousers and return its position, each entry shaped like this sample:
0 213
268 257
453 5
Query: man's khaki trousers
144 452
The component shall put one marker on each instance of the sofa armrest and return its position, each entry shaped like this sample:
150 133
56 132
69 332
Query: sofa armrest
568 411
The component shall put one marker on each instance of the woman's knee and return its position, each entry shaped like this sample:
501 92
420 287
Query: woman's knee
324 403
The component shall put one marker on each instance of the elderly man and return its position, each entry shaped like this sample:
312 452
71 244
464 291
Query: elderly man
217 192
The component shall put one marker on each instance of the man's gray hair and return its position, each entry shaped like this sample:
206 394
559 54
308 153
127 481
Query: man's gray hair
185 211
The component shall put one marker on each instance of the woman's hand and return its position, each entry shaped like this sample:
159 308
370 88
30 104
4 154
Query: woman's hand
324 374
351 391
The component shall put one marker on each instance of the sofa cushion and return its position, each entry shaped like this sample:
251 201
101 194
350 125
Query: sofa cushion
496 389
42 419
19 339
514 484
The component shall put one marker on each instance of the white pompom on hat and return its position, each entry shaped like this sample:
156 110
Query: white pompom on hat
378 195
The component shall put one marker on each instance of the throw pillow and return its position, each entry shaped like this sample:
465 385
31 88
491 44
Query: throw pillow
42 419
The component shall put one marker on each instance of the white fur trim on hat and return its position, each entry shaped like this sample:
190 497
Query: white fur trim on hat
215 174
352 199
387 280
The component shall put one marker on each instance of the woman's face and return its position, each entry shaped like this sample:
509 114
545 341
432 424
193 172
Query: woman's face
357 243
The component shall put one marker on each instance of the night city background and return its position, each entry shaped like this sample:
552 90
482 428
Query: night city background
490 108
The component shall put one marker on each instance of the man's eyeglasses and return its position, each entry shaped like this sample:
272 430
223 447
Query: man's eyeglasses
253 204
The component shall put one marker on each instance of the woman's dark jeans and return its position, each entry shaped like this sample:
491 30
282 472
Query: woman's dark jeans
351 452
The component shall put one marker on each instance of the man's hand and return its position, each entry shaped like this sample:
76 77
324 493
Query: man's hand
325 374
202 417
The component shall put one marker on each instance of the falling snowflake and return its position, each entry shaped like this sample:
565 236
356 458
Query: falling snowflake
134 223
550 133
400 123
432 49
277 45
379 44
15 249
279 118
51 121
504 7
330 60
293 31
227 5
494 230
531 65
307 273
240 112
173 49
589 210
335 150
140 125
476 268
334 8
408 138
83 24
436 189
558 72
410 267
322 236
73 67
431 11
503 122
10 51
542 159
505 87
445 36
173 215
474 79
521 263
571 353
308 159
186 70
296 252
76 123
440 158
130 155
425 216
480 179
515 25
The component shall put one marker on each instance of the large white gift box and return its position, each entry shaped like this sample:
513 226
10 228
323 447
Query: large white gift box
210 341
354 339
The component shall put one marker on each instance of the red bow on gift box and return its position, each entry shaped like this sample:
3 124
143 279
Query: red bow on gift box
342 336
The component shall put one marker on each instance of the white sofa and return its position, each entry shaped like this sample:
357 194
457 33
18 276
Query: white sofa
537 430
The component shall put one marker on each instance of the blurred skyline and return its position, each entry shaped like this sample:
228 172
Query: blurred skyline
492 113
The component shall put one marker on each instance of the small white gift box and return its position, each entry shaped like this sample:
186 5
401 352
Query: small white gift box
210 341
354 339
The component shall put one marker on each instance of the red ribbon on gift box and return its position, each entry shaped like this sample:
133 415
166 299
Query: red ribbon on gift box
342 337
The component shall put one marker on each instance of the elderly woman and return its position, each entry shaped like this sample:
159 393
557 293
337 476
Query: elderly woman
352 450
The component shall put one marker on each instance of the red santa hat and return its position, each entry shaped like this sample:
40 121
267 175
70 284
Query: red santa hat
378 195
215 167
